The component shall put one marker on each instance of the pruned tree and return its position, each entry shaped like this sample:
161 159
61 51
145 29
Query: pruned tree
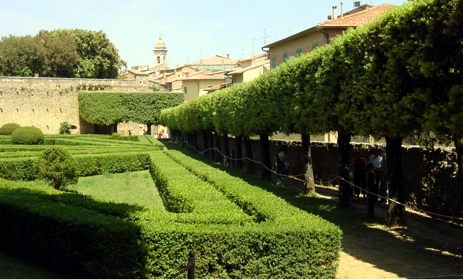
57 167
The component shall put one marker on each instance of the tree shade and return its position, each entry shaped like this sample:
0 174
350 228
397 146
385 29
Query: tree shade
400 74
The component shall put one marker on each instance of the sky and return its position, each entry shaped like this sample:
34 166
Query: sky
191 29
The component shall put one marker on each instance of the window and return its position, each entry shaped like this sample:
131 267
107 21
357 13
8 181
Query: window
273 62
298 52
285 57
185 90
314 46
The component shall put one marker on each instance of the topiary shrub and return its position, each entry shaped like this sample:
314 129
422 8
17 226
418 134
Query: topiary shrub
116 136
28 135
64 128
57 167
8 128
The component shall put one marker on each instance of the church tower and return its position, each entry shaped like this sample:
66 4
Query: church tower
160 53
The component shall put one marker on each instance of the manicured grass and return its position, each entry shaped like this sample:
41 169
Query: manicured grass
131 187
13 268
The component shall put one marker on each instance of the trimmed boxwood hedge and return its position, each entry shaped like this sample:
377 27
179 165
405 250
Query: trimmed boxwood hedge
8 128
28 135
132 242
24 169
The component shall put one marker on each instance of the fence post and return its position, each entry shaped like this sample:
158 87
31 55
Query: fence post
191 265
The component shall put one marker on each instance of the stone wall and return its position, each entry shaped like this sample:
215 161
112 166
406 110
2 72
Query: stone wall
46 102
429 177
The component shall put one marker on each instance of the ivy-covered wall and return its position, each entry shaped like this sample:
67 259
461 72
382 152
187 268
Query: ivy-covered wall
46 102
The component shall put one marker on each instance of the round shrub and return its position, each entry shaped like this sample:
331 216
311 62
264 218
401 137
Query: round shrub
8 128
116 136
57 167
28 135
64 128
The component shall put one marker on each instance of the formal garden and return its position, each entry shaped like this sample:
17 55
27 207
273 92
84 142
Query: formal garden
127 207
112 206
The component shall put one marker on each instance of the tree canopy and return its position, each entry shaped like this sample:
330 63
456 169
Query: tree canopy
107 108
65 53
400 74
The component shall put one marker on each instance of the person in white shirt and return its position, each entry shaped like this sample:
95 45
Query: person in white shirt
376 159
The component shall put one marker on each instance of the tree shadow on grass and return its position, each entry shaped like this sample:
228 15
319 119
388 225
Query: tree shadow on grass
402 251
70 234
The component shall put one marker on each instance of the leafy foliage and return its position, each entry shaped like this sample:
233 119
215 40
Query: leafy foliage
27 135
71 53
104 108
57 167
107 108
64 128
98 57
60 58
20 56
8 128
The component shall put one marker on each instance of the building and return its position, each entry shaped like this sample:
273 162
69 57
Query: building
198 82
319 35
322 33
216 63
160 53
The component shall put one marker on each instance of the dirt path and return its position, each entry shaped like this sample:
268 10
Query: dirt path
427 248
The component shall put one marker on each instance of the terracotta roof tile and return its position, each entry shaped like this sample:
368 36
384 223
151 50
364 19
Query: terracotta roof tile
251 67
262 55
217 87
217 59
360 18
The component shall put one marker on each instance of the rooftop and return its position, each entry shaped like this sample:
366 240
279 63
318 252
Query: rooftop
360 16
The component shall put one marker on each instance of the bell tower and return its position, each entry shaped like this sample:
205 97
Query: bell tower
160 53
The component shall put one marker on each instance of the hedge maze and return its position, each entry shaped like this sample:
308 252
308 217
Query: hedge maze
237 230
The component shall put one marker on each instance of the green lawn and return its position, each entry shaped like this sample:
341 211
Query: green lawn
133 188
14 268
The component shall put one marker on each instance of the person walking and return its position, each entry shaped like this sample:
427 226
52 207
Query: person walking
372 187
359 165
281 160
286 168
382 178
376 159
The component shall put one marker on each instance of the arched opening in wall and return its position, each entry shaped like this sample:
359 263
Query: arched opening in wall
73 126
105 129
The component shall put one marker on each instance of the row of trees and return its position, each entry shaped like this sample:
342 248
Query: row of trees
400 74
65 53
108 108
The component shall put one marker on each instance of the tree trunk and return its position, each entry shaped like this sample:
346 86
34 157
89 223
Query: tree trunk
218 155
226 150
459 150
210 145
345 190
187 141
194 141
396 213
205 144
309 182
250 168
190 141
238 152
182 137
265 173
